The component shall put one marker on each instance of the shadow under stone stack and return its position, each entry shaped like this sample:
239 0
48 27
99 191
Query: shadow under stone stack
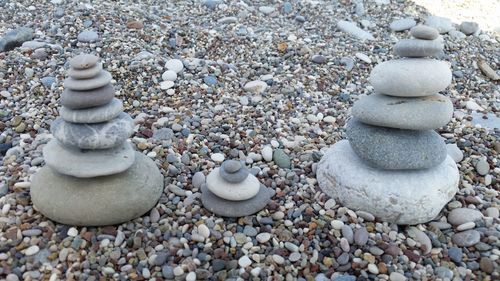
93 175
231 191
395 165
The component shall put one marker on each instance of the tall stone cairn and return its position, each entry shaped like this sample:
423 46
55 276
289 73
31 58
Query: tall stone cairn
395 165
92 175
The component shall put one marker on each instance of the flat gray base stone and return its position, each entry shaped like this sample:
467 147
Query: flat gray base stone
417 113
402 197
234 209
98 201
88 163
96 114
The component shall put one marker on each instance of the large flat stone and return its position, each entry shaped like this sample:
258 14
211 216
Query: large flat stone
93 136
396 149
412 77
96 114
402 197
234 209
418 113
98 201
85 99
88 163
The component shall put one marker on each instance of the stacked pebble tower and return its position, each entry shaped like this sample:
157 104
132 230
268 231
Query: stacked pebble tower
90 156
395 165
231 191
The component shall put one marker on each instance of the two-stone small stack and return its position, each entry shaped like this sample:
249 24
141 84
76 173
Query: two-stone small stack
395 165
231 191
93 175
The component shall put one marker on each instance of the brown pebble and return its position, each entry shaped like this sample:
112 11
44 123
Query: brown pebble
486 265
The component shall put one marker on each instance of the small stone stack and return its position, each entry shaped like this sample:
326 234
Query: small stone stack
395 165
93 175
231 191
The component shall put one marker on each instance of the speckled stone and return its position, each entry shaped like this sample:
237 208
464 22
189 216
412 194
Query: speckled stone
243 208
88 163
418 48
85 99
101 80
93 136
397 196
85 73
96 114
83 61
98 201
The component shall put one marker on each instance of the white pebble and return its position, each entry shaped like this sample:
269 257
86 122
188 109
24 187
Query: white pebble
169 75
278 259
267 153
191 276
165 85
363 57
217 157
72 232
256 271
174 65
203 230
178 271
330 203
336 224
244 261
373 268
255 86
263 237
466 226
31 250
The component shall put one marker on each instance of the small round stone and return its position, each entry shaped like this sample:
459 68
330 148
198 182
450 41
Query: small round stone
101 80
88 36
169 75
175 65
217 157
83 61
96 114
88 163
85 99
231 166
236 177
424 32
256 87
402 24
85 73
232 191
93 136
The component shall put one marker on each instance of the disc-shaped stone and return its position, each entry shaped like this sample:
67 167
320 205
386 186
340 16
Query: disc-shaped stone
85 99
396 196
88 163
418 113
85 73
424 32
396 149
232 191
98 201
231 166
101 80
93 136
411 77
418 48
234 209
96 114
83 61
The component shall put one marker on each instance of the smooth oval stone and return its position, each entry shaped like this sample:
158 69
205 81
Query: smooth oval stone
96 114
402 24
101 80
236 177
93 136
231 166
83 61
411 77
88 163
442 24
424 32
418 48
419 113
234 209
98 201
396 196
85 73
232 191
396 149
85 99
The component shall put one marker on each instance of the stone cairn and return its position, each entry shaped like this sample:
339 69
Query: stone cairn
231 191
93 175
395 165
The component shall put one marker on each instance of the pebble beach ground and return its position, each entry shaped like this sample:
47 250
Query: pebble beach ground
311 73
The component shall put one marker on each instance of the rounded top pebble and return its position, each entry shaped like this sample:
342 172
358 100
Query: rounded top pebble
231 166
424 32
83 61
